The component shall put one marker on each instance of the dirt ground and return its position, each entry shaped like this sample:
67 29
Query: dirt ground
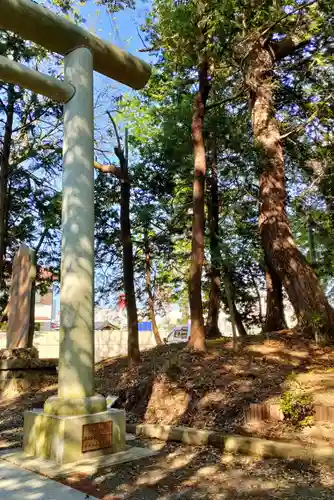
182 473
214 390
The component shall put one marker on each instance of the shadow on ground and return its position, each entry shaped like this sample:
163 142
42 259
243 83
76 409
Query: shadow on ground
173 386
181 472
214 390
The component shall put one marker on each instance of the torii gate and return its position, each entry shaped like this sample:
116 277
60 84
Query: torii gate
59 432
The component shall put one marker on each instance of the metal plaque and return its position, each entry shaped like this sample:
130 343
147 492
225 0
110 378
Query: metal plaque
96 436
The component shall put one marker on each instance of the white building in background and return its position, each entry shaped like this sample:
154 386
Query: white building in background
44 304
110 318
43 310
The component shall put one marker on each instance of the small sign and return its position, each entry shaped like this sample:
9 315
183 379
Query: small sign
96 436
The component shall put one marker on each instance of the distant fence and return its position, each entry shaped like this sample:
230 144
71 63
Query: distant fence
108 343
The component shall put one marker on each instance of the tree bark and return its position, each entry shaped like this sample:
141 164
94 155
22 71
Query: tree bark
231 308
128 276
122 173
212 329
197 333
258 297
312 309
275 319
31 331
4 170
311 242
150 296
128 267
238 322
230 295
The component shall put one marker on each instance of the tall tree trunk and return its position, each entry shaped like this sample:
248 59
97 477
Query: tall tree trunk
128 275
4 170
275 319
231 308
256 288
150 297
31 332
299 280
128 267
311 242
212 329
238 322
122 173
230 295
197 333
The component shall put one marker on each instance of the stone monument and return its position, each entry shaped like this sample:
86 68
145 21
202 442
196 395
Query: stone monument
75 424
21 289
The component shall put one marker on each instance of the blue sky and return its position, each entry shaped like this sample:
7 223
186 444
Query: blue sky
120 29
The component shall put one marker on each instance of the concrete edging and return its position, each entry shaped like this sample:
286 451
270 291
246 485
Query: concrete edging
88 466
235 444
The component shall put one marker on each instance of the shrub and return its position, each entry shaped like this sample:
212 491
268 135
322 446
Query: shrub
297 408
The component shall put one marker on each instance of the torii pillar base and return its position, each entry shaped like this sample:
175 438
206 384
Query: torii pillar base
65 439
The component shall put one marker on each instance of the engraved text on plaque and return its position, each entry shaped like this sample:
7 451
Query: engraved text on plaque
96 436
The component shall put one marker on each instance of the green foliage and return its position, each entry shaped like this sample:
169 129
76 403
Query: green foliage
116 5
297 408
302 97
161 160
33 203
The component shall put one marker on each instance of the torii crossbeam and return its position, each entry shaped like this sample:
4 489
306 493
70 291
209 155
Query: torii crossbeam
60 432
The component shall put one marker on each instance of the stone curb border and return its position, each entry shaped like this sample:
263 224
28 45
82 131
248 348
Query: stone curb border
235 444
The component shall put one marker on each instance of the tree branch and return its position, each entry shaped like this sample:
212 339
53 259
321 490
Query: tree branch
149 49
116 129
119 151
224 101
3 107
300 7
288 45
43 236
126 145
26 125
299 127
141 39
109 169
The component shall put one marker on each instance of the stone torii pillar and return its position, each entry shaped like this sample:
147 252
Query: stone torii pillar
76 422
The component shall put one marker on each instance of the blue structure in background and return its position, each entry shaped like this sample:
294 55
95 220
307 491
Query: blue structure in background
145 326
